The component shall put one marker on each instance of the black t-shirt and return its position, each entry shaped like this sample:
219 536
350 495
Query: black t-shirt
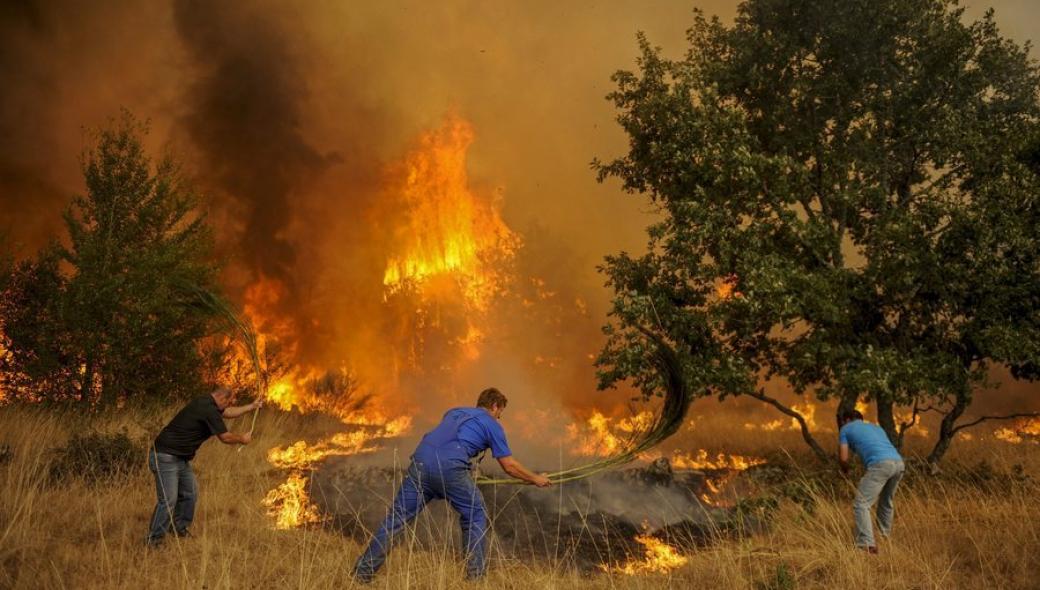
198 421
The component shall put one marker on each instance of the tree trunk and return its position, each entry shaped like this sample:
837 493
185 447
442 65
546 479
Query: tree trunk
846 403
86 386
947 428
887 420
109 391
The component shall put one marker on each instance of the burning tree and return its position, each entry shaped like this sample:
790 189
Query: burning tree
104 317
848 199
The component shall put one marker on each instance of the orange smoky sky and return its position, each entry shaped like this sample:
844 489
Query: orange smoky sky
291 116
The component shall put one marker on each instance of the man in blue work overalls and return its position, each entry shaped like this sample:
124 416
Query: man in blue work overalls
441 468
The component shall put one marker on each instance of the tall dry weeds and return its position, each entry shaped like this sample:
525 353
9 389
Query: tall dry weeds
974 526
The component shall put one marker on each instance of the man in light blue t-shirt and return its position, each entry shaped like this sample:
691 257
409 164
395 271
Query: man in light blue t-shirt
884 470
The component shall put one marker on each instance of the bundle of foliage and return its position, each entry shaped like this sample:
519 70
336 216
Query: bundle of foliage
97 457
848 199
106 317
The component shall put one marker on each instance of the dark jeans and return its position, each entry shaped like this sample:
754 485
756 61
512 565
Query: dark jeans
175 490
421 485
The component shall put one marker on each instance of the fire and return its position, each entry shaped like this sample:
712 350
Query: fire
701 460
446 229
300 455
862 407
290 505
1023 429
726 288
601 436
660 558
332 393
807 410
907 417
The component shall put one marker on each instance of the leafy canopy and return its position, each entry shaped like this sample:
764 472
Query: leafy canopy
848 204
103 317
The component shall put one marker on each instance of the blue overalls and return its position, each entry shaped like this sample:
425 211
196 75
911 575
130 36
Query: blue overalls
440 468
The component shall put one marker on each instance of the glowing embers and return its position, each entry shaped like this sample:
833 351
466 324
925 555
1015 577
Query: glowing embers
659 558
1022 430
444 228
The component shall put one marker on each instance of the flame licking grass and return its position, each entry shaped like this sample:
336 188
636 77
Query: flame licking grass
290 505
1023 429
659 558
701 461
601 436
301 455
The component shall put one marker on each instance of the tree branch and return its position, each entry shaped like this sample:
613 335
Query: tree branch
761 396
984 418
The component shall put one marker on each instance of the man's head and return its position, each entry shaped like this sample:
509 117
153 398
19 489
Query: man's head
848 416
223 396
493 401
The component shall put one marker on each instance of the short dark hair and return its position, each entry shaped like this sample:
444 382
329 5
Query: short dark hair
849 416
491 397
224 391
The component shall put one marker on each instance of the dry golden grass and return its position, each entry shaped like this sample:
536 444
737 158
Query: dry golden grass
949 534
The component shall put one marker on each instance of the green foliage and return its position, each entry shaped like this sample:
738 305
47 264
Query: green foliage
97 457
862 176
106 318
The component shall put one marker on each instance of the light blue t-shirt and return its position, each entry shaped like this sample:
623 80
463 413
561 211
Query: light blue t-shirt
482 432
869 441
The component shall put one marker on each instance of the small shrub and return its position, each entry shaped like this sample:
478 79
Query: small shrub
97 457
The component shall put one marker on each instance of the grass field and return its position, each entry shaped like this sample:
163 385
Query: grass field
977 525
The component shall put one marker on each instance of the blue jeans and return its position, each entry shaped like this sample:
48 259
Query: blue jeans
422 484
879 485
175 490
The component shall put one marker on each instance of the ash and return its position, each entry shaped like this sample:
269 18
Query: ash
582 524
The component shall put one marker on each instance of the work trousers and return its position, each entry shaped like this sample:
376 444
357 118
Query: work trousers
879 485
421 485
176 491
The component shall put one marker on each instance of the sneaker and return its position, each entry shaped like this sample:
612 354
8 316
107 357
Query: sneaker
871 549
185 534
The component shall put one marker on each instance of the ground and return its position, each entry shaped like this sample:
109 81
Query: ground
972 526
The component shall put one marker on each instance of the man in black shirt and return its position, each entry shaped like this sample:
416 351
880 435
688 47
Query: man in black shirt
170 458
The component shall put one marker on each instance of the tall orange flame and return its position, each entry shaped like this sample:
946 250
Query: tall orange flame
446 229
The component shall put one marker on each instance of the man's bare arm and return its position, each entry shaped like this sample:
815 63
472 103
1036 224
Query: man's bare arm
239 410
513 467
231 438
843 458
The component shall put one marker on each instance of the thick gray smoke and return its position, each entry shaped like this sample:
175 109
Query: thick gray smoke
245 117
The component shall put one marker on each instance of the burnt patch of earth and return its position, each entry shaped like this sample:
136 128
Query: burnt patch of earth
581 524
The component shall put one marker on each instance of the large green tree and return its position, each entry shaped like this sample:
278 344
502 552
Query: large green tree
106 317
848 199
